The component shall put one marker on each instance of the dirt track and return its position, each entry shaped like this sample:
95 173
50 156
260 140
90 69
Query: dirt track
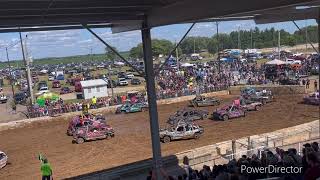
132 141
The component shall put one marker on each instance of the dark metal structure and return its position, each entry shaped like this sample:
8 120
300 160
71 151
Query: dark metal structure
126 15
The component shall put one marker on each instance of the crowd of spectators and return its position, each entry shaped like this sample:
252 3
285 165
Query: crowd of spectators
52 108
307 166
173 82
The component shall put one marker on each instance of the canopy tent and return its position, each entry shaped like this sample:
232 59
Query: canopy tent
276 62
50 96
119 63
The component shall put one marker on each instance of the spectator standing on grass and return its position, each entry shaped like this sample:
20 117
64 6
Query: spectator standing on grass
315 85
94 102
307 83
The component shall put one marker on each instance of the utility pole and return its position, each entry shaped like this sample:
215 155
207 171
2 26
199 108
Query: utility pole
91 54
111 84
251 39
194 44
11 79
279 45
306 37
26 63
177 56
239 42
218 49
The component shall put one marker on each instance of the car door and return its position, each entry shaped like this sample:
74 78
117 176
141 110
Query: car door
196 115
188 131
234 112
205 102
185 115
179 132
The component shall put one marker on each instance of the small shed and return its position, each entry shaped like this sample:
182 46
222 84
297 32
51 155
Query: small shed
96 87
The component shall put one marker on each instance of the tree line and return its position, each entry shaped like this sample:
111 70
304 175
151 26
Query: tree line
243 39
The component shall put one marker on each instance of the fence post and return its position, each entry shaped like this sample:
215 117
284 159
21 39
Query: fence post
249 147
233 149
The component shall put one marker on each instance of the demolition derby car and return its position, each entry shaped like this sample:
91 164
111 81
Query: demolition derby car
252 94
228 112
86 120
200 101
3 159
183 130
250 105
313 99
88 133
131 108
188 115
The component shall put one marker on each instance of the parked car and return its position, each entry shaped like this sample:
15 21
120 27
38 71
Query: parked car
20 97
3 98
42 90
131 108
200 101
50 78
60 77
65 90
77 86
189 115
42 84
3 159
182 131
87 133
56 84
228 112
135 81
122 82
129 76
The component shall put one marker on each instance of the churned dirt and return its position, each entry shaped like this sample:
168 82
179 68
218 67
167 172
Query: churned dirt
132 140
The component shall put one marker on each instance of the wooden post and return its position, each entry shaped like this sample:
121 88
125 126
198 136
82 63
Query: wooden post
234 149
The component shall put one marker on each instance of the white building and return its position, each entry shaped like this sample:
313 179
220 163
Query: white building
96 87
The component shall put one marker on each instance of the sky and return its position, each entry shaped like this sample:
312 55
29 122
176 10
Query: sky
80 42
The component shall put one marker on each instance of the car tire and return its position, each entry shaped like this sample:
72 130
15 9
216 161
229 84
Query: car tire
225 117
196 136
258 108
166 139
205 116
79 140
69 133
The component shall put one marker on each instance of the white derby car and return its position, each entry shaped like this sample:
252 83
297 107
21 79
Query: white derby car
3 159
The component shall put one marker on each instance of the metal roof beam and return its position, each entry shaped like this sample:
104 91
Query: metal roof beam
204 9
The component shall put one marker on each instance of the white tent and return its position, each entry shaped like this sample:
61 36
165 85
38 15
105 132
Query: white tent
119 63
276 62
187 65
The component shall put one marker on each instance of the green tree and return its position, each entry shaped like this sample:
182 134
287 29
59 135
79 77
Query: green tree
110 54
